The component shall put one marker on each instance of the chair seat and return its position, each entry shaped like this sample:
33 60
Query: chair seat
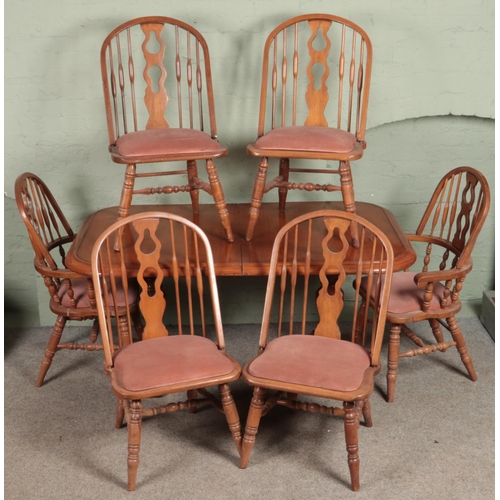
169 361
79 287
407 297
308 138
318 362
165 141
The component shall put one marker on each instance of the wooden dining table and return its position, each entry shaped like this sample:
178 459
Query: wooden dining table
240 258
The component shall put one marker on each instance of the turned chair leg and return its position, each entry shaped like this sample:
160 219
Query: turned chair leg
51 349
367 413
252 425
351 424
120 413
126 196
347 189
284 174
220 201
257 195
393 361
458 337
134 442
231 412
192 171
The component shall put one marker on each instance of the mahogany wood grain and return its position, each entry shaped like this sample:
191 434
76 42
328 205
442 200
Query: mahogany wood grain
446 235
241 258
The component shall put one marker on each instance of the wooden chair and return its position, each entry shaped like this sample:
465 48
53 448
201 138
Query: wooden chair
169 116
322 364
313 105
447 234
166 361
72 295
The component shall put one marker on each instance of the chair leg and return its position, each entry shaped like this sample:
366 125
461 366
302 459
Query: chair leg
367 413
283 191
257 195
220 201
134 442
393 360
192 170
127 191
120 413
347 189
231 412
351 424
252 425
436 330
461 346
94 332
51 349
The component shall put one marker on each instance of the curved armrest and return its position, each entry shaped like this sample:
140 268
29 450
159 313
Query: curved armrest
424 278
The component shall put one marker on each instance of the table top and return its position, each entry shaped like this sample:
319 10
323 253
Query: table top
240 258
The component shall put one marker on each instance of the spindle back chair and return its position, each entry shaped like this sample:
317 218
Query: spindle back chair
184 356
341 357
72 295
446 236
314 101
159 102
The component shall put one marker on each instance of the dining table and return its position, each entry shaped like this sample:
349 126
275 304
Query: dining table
241 257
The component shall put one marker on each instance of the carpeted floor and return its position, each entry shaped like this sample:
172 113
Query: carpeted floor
436 441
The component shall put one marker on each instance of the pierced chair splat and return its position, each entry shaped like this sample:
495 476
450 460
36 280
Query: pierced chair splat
292 362
314 101
72 295
175 119
446 236
182 294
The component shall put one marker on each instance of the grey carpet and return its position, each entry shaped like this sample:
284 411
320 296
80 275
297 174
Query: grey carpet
436 441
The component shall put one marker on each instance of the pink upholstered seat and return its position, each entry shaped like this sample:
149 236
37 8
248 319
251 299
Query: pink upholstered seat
310 138
164 361
407 297
79 287
165 141
313 361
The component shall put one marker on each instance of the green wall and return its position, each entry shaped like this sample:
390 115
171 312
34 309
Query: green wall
431 109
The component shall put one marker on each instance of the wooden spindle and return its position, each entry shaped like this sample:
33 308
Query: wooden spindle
274 82
114 92
131 75
352 73
283 81
295 71
175 275
199 85
307 275
341 77
190 79
293 278
121 83
178 75
188 278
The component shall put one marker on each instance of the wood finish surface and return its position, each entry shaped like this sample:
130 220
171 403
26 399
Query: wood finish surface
446 235
291 360
316 72
241 258
174 94
50 235
171 355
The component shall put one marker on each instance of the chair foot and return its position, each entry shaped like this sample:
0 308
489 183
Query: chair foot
252 425
51 349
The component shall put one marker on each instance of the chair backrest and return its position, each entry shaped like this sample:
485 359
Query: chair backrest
317 244
156 74
176 279
454 218
47 226
316 71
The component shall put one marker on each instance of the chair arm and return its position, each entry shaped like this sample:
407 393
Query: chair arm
424 278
